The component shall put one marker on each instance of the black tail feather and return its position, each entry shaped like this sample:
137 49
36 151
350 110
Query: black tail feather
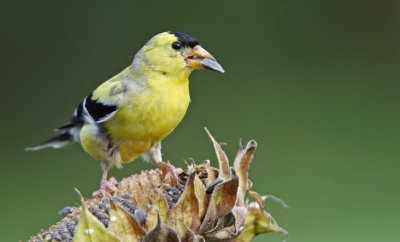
56 142
66 126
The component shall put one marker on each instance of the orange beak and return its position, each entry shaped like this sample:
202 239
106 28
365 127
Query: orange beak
199 58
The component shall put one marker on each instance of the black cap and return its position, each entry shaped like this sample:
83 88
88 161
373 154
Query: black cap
185 39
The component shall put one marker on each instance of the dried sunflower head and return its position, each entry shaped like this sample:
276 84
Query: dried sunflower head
208 205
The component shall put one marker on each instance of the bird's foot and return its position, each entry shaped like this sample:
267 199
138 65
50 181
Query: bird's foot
169 170
106 186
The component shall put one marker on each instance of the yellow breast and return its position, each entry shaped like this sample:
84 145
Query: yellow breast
147 117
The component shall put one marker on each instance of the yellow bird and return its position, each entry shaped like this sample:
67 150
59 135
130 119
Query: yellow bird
131 113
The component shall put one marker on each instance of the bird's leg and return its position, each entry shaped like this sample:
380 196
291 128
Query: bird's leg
166 167
106 185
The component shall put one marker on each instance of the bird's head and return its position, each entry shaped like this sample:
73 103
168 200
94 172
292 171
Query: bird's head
174 53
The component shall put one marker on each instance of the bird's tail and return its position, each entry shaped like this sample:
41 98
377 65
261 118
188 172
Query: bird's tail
56 142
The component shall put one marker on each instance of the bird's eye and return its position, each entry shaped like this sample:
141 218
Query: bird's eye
176 45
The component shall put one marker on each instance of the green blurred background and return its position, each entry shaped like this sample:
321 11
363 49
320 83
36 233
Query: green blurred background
316 83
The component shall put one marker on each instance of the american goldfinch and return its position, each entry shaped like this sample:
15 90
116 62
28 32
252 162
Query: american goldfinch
131 113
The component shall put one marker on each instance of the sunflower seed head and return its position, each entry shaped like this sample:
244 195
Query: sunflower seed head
208 204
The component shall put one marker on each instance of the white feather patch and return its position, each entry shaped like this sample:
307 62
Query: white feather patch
105 118
75 133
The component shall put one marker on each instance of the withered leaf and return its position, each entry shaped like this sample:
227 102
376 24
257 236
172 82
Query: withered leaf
186 211
151 219
194 237
222 200
210 173
225 229
222 158
160 232
123 225
161 204
90 228
241 166
201 196
257 222
240 214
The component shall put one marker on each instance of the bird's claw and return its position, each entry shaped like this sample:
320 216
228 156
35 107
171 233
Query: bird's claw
169 170
106 186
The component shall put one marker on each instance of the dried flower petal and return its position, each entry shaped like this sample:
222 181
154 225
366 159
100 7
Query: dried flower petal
222 158
161 205
90 228
186 211
200 191
210 173
152 218
161 232
240 214
241 166
194 237
221 203
258 222
123 225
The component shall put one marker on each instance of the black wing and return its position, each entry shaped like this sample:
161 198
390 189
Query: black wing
90 110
